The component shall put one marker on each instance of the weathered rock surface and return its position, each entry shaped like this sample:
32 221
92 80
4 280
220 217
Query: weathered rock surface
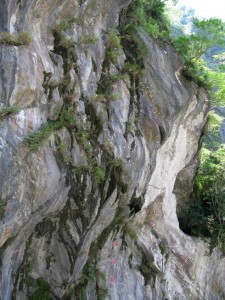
92 212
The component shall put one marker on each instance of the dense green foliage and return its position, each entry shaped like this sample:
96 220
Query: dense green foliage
113 46
217 83
205 214
208 33
149 15
4 111
43 291
205 35
34 140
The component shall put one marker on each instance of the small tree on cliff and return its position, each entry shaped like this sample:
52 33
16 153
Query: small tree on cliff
208 33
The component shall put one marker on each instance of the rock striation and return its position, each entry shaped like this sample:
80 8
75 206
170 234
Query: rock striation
95 158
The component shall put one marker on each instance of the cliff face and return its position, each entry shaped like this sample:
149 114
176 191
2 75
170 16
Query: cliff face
88 202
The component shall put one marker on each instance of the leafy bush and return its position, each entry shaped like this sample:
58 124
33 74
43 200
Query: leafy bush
89 273
15 39
212 139
43 291
114 97
4 111
113 40
66 24
99 174
62 26
117 77
217 87
205 214
113 45
133 69
198 72
83 139
66 41
211 182
88 40
102 293
150 16
208 33
36 139
62 39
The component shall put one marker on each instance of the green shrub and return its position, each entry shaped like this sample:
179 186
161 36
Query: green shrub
117 163
62 39
82 168
4 111
76 20
113 40
36 139
89 273
99 174
212 138
24 38
43 291
102 293
67 117
114 97
127 230
153 28
88 40
46 85
108 147
99 97
131 124
150 16
133 69
113 45
118 77
205 215
207 34
64 24
83 139
66 41
198 73
15 39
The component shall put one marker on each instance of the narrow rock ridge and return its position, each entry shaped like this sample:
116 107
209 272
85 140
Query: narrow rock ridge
88 201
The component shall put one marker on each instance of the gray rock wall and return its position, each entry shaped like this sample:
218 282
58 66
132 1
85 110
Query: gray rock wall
88 211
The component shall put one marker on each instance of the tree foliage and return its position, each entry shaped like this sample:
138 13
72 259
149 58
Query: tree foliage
149 15
205 215
210 194
208 33
217 82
